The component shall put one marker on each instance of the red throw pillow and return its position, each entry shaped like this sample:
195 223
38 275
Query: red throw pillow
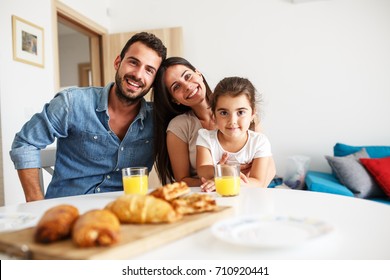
379 168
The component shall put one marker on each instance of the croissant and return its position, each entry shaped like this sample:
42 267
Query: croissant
96 228
56 223
142 209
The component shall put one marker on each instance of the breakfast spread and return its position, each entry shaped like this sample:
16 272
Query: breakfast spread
101 227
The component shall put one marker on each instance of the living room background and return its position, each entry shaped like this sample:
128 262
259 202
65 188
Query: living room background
323 67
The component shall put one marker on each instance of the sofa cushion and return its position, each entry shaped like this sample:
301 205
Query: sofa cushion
325 182
354 176
379 168
341 150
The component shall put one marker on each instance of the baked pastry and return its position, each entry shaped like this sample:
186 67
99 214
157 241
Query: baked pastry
194 203
96 228
141 209
171 191
56 223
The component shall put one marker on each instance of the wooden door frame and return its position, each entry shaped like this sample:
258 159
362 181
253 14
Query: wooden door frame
83 72
95 32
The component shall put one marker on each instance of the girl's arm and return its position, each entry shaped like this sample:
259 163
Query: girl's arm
205 168
204 163
180 161
262 172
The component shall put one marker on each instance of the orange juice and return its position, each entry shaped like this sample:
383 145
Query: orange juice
227 185
135 184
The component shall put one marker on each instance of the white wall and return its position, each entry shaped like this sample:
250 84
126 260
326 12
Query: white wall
25 88
96 10
323 66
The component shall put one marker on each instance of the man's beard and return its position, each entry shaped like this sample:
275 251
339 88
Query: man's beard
120 93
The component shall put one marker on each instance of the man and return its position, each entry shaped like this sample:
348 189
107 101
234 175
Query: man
99 130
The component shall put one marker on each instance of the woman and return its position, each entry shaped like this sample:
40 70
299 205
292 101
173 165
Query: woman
181 108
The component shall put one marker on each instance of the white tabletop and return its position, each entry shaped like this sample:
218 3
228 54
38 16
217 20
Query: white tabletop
361 228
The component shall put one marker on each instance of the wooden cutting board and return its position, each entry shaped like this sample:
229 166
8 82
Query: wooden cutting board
135 239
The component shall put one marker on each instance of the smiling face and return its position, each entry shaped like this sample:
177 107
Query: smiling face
233 116
136 72
185 85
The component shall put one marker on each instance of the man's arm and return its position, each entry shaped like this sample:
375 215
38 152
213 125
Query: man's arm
29 179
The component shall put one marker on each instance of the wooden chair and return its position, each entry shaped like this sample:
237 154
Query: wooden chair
48 159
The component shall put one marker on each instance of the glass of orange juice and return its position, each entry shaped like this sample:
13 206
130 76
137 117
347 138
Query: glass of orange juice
227 179
135 180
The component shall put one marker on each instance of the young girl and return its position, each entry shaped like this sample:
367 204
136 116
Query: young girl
233 105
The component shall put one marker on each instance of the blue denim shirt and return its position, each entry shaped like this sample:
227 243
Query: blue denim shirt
89 154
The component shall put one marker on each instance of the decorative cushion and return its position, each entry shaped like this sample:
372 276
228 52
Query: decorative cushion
354 176
379 168
341 150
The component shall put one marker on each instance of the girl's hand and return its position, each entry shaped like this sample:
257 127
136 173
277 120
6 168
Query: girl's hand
244 178
207 185
244 168
224 158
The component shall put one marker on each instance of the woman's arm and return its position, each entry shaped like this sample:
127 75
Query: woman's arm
180 161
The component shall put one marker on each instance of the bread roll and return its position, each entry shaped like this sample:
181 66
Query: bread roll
56 223
96 228
140 209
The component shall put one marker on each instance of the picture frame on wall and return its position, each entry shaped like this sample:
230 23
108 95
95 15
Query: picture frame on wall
28 45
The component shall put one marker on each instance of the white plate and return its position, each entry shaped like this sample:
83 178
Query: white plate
269 231
15 221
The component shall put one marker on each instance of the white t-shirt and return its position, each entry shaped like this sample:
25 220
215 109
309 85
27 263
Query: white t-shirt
256 146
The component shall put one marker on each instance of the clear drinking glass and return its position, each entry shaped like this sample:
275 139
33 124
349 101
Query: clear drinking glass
135 180
227 179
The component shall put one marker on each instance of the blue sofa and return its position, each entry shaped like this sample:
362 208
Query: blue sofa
328 183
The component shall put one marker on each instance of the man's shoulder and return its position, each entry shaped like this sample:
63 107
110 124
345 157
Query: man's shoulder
81 91
149 105
84 94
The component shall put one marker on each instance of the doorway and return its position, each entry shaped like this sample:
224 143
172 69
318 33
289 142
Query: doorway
79 57
74 57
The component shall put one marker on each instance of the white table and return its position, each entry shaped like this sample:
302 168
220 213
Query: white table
361 228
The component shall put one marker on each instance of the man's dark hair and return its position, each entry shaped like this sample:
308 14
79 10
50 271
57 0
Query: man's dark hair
148 39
